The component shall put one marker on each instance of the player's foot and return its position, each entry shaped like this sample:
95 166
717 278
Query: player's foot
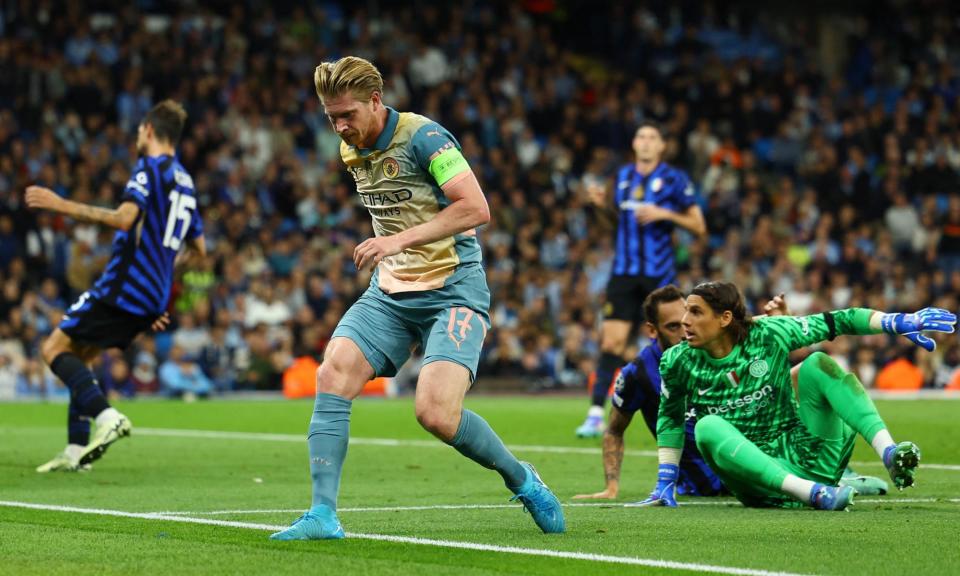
592 427
114 428
540 502
864 485
62 462
824 497
317 523
901 462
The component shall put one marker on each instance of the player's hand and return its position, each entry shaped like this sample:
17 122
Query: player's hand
649 213
372 251
161 323
609 494
665 492
913 325
777 306
40 198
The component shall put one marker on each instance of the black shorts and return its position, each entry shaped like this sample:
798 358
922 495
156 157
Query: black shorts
94 323
625 296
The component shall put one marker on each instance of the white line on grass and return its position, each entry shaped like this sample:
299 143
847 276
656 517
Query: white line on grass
419 541
717 502
268 437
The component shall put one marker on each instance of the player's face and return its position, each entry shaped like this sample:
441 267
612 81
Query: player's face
142 138
648 144
669 329
352 119
701 325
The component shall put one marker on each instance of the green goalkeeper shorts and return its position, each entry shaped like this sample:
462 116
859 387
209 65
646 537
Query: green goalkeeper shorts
448 323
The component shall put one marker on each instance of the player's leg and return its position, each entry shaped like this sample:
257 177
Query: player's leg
78 436
613 341
452 340
70 360
755 477
369 341
814 410
830 397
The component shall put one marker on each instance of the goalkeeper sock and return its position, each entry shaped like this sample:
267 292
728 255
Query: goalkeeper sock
827 391
608 366
476 440
327 441
84 390
881 441
797 487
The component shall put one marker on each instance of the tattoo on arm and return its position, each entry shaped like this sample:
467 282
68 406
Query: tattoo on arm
612 456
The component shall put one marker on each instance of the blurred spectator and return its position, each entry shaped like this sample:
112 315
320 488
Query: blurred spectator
832 179
181 376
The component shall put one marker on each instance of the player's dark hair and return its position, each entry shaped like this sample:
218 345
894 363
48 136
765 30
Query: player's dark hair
723 296
167 119
655 125
662 295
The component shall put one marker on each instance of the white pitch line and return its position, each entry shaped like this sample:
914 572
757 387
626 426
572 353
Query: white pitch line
628 560
621 504
269 437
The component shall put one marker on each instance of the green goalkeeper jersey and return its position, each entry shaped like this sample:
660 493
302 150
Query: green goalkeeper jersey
750 387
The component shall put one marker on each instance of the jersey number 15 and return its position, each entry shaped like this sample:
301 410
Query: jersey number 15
180 208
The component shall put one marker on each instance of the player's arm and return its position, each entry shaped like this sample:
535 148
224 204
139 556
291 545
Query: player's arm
438 154
688 214
467 209
800 331
691 218
613 446
122 217
195 252
670 434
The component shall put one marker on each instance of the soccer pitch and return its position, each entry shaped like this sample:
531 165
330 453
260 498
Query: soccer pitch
198 488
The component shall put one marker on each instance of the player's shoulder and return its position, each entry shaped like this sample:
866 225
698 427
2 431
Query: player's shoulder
671 174
675 354
418 128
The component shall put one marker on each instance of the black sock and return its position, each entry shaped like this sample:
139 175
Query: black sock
84 391
608 365
78 427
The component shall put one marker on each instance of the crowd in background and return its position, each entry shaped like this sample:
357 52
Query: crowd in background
835 185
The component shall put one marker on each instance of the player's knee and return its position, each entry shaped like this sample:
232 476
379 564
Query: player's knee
437 421
709 430
50 349
331 379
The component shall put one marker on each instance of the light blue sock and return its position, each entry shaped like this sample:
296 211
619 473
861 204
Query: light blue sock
327 440
476 440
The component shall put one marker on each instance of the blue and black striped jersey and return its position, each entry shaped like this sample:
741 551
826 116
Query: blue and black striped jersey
139 275
648 250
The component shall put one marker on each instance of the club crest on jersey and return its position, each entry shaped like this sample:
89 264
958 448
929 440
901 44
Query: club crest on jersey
759 368
391 168
656 185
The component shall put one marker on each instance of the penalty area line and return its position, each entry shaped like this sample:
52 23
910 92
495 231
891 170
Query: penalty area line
476 546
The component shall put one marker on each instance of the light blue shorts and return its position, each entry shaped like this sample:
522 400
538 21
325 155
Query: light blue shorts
448 323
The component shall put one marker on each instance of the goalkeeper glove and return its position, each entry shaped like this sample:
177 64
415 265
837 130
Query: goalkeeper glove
912 325
665 492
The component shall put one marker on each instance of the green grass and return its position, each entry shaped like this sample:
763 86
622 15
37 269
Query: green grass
152 473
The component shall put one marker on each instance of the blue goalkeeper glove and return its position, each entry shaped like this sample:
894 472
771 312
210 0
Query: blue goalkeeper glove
912 325
665 492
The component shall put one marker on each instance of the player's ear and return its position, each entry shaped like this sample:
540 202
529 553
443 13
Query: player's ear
376 99
650 330
726 317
